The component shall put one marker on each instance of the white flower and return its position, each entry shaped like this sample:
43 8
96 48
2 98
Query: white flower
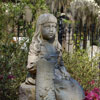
6 11
99 12
14 5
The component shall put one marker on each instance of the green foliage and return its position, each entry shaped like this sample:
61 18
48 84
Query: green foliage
12 68
83 69
13 59
67 21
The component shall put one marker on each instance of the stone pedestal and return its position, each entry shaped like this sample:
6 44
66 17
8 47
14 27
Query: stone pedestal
27 92
64 89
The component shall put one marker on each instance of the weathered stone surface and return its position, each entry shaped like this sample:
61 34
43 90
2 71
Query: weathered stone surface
45 81
27 92
64 90
68 90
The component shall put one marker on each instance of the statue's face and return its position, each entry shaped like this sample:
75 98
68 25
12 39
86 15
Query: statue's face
48 31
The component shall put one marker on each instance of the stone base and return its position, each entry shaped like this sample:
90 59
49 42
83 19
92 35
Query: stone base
64 89
26 92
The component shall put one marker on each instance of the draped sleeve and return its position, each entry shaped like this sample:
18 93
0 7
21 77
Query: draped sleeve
33 56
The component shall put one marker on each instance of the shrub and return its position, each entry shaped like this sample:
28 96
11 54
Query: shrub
12 69
13 59
81 68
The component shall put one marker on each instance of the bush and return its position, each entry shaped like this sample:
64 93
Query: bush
12 69
81 68
13 59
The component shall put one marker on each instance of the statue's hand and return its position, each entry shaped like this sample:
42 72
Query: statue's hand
65 74
30 80
31 68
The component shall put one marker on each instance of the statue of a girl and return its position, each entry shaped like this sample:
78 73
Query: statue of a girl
45 64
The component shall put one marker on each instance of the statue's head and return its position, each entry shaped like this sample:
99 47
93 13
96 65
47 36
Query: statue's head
46 18
46 27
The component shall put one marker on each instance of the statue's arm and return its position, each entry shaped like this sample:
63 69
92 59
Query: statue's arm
32 59
31 65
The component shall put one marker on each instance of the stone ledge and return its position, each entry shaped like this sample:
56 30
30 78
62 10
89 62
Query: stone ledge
26 92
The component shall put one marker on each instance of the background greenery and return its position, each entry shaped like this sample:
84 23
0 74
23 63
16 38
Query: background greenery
13 59
83 69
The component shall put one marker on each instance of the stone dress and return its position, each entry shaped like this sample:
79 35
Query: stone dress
53 82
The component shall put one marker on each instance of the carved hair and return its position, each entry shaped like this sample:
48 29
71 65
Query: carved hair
37 39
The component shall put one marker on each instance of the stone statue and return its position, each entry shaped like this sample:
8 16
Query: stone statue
47 72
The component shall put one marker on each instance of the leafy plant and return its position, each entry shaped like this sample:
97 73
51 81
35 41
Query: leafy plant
13 59
82 68
13 70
